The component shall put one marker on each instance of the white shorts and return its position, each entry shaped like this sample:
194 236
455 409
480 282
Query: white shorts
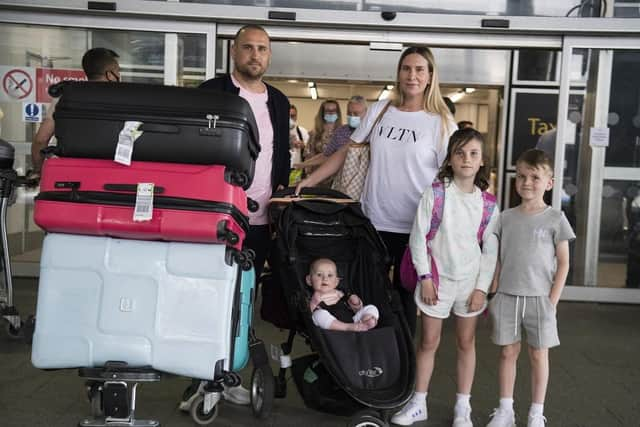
323 318
452 295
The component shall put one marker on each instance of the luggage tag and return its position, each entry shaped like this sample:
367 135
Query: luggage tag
128 135
143 210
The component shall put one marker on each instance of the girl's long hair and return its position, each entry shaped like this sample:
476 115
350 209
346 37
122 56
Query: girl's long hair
433 101
459 139
319 120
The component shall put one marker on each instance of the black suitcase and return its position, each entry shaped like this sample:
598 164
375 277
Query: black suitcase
179 125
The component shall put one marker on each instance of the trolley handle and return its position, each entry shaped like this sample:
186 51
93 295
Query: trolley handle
26 181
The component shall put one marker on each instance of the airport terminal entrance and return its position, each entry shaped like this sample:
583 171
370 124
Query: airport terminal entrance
511 86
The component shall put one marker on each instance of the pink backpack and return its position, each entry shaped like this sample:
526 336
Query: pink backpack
408 275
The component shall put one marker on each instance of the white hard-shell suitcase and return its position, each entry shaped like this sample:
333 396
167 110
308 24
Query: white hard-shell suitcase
167 305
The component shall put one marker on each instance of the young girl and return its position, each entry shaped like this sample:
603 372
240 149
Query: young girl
463 269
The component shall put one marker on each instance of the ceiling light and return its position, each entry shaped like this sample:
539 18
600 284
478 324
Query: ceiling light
469 89
292 81
385 92
385 46
456 96
313 90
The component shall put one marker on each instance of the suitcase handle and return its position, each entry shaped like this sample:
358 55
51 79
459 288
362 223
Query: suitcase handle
130 188
159 128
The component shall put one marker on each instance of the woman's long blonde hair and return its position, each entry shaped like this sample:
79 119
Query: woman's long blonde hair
319 120
433 101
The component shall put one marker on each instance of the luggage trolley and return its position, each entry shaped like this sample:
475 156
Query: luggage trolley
9 179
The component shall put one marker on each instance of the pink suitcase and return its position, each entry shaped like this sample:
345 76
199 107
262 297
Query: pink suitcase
191 203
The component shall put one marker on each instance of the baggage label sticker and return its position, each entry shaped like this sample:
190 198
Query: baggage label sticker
128 135
143 210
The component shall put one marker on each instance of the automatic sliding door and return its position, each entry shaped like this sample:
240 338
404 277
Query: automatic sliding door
604 201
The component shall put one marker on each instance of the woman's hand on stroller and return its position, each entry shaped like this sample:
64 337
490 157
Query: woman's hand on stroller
428 292
302 184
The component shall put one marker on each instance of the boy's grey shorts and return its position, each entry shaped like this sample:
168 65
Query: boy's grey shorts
537 315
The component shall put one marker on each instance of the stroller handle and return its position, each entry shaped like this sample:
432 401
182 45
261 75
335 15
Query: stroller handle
311 191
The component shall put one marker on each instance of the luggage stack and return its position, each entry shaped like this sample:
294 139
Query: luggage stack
146 213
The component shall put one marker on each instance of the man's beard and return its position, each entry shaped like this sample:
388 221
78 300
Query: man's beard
250 72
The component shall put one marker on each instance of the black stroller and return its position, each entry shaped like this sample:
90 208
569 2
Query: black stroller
370 374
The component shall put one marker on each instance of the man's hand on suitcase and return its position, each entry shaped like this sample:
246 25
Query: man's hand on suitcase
32 179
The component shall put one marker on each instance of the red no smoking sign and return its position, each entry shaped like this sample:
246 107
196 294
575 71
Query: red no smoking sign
17 84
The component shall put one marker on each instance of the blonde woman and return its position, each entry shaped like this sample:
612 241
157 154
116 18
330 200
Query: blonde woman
328 119
408 145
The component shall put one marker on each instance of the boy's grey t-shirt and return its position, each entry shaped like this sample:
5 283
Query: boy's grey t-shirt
528 250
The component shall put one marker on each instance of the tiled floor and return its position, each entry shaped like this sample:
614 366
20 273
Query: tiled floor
595 379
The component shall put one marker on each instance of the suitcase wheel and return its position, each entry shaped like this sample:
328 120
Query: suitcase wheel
232 237
244 259
252 205
239 179
226 235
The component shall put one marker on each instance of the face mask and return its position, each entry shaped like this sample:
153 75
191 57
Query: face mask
330 118
292 123
111 76
354 121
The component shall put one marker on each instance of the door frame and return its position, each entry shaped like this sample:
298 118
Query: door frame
598 97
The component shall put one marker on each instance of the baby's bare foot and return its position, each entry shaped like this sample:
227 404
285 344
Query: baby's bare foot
370 322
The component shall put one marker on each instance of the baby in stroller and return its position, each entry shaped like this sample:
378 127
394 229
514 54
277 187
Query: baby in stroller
331 308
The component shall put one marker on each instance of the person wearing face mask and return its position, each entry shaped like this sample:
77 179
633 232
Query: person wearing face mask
100 65
298 136
328 119
356 109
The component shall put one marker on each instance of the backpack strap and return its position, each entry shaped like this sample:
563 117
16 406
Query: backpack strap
436 218
437 210
488 206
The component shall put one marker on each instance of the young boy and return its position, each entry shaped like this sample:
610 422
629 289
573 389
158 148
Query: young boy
533 266
331 308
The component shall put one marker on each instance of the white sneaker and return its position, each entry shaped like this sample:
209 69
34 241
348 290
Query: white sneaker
238 395
462 417
502 418
411 413
537 420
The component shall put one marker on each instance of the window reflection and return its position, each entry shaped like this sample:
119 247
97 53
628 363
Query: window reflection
624 111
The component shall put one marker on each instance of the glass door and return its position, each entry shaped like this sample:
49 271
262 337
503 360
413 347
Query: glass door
598 167
164 53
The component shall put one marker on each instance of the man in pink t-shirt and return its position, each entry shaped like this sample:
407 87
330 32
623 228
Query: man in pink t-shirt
251 55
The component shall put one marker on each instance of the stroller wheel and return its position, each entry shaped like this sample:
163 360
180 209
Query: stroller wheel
198 415
262 391
190 390
367 418
13 333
